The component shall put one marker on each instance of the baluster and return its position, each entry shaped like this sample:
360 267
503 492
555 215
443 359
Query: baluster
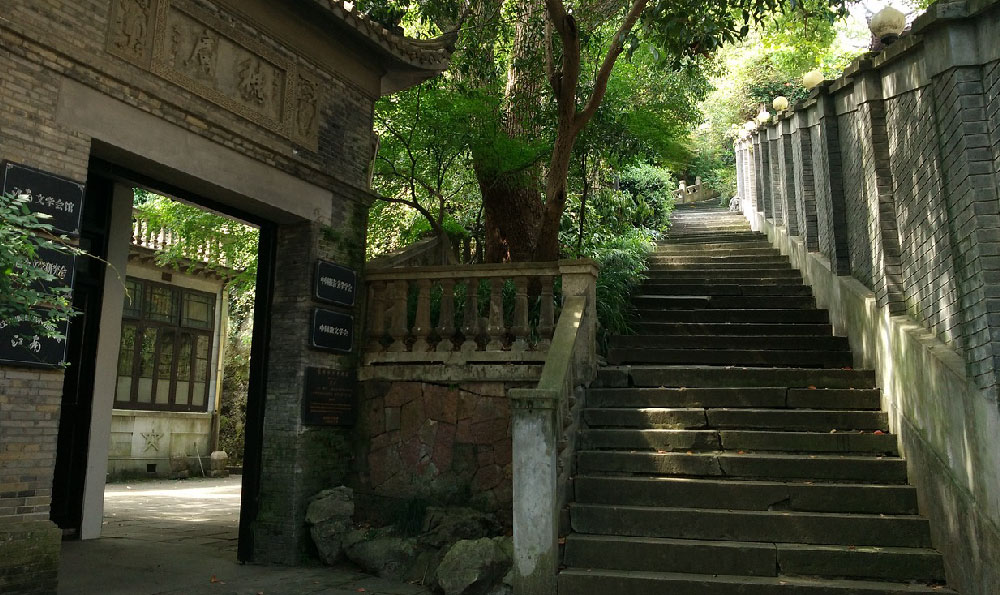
446 322
520 326
422 323
398 326
495 328
376 316
470 318
546 314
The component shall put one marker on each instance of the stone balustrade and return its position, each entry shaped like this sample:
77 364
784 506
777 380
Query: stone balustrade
492 313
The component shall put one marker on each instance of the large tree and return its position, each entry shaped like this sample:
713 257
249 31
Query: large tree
548 64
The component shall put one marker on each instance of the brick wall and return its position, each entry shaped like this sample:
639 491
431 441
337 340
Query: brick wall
805 195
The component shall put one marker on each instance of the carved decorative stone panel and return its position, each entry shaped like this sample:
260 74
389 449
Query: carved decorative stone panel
195 49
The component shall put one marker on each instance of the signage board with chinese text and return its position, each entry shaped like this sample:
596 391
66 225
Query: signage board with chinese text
58 197
335 283
329 397
332 331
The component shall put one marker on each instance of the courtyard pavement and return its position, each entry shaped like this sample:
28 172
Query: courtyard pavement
179 538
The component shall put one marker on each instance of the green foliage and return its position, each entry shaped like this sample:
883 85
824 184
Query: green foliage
23 234
235 387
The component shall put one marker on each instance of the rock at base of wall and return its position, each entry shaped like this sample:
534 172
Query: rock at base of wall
476 567
330 518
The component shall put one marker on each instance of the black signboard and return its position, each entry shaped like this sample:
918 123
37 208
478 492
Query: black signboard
20 343
56 196
332 331
60 265
335 283
329 398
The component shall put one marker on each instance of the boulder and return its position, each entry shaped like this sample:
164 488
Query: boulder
393 558
329 517
474 567
445 526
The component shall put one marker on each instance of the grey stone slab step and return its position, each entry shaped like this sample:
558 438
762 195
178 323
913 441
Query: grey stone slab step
664 440
716 341
814 420
746 494
577 581
707 288
750 558
771 302
783 281
818 528
730 328
687 397
762 276
670 555
717 250
861 562
830 467
706 237
713 259
731 357
645 439
714 376
749 268
820 398
737 315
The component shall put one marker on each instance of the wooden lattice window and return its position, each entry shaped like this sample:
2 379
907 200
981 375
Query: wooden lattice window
166 343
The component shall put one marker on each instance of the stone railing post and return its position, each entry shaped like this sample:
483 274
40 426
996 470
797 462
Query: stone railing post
535 440
579 278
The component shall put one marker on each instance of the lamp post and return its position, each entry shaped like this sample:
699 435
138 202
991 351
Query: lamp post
780 103
887 25
812 78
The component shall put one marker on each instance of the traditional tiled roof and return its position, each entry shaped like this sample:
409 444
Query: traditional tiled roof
432 54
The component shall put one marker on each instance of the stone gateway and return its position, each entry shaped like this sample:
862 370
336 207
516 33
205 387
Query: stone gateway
258 109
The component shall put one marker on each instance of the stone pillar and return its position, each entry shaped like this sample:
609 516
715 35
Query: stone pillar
773 174
831 204
740 182
763 152
887 268
535 438
751 176
786 176
805 189
297 460
579 277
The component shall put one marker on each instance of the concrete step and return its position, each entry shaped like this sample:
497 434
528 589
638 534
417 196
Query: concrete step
737 315
714 238
666 288
731 357
578 581
770 302
729 328
719 377
830 467
728 398
817 528
663 440
691 418
713 259
714 341
718 249
750 269
761 276
733 494
752 558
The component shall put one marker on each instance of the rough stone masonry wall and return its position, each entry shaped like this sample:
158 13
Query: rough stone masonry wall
44 46
436 444
905 167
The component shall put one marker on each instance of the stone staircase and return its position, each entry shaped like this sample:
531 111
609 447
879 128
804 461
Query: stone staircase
729 448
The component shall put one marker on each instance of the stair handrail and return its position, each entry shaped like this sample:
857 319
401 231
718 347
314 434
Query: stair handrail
543 425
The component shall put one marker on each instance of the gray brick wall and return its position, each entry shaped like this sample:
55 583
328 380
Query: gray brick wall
805 187
928 269
831 211
859 218
764 188
786 175
774 175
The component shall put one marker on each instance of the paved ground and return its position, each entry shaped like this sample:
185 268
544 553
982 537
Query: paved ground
179 538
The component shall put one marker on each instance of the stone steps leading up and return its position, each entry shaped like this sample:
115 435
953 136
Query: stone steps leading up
728 447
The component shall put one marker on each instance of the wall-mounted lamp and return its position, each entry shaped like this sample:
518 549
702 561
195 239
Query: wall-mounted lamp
812 78
780 103
888 25
763 116
750 126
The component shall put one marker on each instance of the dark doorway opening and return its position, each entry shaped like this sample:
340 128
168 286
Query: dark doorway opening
79 390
